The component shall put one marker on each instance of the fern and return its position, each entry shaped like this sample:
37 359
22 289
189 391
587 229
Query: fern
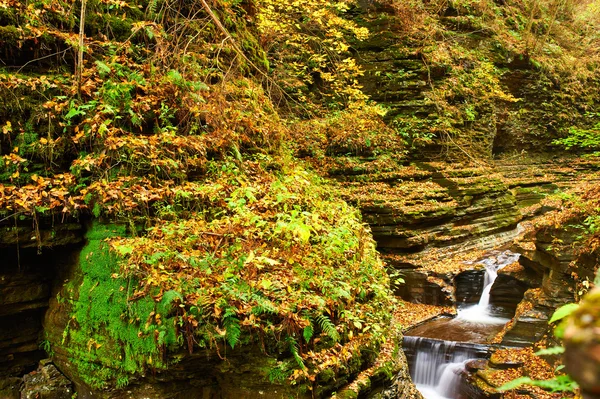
103 69
165 304
308 332
152 6
233 331
328 327
122 382
294 349
263 306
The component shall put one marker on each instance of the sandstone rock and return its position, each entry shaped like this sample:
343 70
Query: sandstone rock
47 234
419 288
506 293
474 365
469 285
402 387
46 383
10 387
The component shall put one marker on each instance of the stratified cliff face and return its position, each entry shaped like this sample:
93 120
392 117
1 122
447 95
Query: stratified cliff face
28 280
155 221
479 79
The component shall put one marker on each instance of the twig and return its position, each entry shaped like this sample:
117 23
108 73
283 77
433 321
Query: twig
8 217
41 58
80 53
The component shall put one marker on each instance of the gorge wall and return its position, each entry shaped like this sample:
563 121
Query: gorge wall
154 143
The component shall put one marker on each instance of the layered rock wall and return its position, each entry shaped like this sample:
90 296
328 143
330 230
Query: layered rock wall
33 253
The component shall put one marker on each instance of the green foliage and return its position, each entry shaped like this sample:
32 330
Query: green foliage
292 260
328 327
307 332
582 139
172 134
280 373
166 303
232 327
46 346
309 42
561 383
110 337
555 350
102 68
563 312
293 347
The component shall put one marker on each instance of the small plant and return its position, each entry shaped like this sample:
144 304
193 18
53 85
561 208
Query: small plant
560 383
46 346
582 139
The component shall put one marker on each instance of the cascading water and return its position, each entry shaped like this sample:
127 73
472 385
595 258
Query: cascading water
481 312
437 364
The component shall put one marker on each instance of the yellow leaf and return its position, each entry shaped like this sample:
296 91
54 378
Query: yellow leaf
265 283
250 258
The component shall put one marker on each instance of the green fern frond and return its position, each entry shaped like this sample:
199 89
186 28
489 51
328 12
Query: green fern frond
233 331
293 345
308 332
152 6
328 327
263 306
165 304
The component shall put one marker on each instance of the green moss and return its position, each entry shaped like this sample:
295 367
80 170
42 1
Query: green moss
7 16
326 375
112 26
9 35
111 337
347 394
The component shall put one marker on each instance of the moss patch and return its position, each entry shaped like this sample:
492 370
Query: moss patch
110 337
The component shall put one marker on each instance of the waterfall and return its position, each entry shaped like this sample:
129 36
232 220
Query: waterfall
437 366
481 313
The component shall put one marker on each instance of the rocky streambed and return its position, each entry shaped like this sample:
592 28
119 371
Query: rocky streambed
449 356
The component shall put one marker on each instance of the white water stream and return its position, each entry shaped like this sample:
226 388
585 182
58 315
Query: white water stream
481 312
437 369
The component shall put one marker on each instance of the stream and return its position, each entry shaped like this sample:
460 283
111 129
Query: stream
439 350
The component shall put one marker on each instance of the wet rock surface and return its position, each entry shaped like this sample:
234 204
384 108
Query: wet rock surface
46 383
456 330
506 294
422 287
546 258
469 286
44 233
402 386
474 365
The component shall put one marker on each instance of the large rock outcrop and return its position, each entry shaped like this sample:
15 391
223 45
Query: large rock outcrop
33 253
